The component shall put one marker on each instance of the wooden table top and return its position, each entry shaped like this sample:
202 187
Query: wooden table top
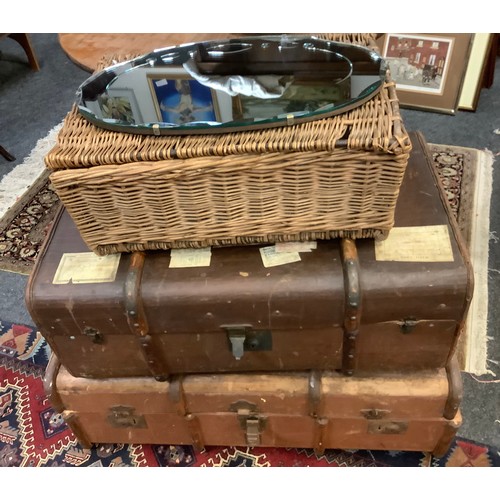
87 49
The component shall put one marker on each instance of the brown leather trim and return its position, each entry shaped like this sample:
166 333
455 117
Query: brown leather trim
458 236
449 432
72 420
136 317
28 294
320 427
456 389
49 383
314 392
352 311
176 395
134 307
195 431
50 388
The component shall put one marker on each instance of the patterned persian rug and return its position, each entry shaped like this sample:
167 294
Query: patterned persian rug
32 434
466 176
22 236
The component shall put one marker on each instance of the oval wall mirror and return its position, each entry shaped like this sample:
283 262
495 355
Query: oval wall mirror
232 85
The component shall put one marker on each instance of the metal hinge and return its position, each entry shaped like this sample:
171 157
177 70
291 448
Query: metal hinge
250 421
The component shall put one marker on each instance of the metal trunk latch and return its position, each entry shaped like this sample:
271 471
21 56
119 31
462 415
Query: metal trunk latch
237 338
250 420
408 324
378 422
375 414
94 335
124 416
244 338
387 427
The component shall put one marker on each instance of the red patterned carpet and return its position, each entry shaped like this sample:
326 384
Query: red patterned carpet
32 434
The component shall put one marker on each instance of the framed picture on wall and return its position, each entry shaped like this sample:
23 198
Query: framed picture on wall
428 69
181 100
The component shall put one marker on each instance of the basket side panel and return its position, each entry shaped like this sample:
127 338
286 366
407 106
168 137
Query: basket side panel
238 199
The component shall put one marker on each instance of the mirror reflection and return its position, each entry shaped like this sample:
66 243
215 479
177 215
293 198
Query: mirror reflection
232 85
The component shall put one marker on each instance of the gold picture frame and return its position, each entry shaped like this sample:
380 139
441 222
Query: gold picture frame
471 88
428 69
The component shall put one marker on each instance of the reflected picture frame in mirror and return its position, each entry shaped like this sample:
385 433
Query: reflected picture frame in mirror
120 104
180 99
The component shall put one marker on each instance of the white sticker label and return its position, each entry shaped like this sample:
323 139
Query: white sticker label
86 267
190 257
416 244
271 258
295 246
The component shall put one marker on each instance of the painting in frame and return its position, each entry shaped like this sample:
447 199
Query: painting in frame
428 69
181 100
121 105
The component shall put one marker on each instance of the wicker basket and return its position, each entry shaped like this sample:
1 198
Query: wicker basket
336 177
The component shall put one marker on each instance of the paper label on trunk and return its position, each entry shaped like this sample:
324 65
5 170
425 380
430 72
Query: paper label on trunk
86 267
295 246
190 257
271 258
416 244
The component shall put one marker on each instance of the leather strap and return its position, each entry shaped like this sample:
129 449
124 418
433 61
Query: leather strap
137 320
352 318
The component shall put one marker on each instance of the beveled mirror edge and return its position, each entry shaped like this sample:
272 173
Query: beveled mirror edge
157 129
222 129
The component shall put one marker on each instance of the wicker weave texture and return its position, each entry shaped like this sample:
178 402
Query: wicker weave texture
232 200
336 177
373 126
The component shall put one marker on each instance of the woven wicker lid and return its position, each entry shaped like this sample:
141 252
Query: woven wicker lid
373 126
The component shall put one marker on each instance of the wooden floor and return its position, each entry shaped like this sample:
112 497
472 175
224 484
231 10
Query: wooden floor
87 49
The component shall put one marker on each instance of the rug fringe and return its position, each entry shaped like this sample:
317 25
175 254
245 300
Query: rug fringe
476 347
18 181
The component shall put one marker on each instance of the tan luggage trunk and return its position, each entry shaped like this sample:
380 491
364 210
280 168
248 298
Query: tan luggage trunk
317 410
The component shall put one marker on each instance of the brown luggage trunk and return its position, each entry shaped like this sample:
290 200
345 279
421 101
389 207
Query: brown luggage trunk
317 410
340 307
